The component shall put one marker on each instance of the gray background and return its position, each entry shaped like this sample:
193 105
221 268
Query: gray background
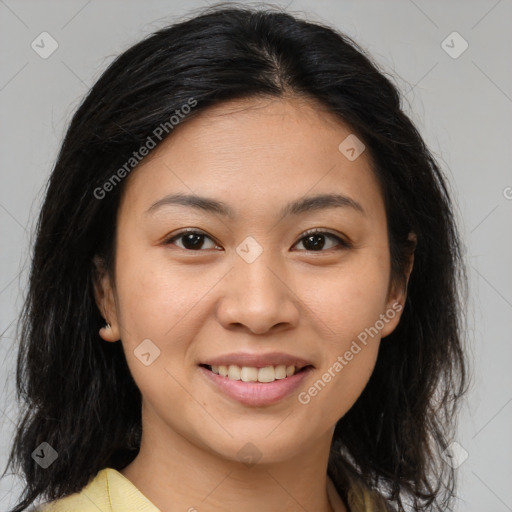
461 105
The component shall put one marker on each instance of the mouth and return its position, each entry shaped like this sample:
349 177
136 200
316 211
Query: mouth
265 374
256 379
253 386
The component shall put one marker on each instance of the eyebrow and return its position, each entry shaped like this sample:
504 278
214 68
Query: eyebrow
297 207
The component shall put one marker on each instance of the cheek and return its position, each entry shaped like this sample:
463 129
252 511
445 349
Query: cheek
154 294
350 299
347 306
155 304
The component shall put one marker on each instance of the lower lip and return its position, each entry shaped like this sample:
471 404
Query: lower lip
257 394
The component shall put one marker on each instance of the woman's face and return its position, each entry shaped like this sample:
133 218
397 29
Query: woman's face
250 282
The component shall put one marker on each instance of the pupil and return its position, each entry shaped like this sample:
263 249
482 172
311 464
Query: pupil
317 242
193 241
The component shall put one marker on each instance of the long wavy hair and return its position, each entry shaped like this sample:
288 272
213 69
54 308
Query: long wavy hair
77 393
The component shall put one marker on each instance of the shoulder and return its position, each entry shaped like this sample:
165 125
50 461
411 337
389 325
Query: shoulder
108 491
93 497
361 498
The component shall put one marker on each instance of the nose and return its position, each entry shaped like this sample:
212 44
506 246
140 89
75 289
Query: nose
258 297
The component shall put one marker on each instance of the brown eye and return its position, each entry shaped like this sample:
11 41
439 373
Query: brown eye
315 241
191 240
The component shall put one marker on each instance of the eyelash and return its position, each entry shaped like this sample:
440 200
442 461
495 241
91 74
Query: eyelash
343 243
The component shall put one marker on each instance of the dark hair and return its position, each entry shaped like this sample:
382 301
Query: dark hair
78 393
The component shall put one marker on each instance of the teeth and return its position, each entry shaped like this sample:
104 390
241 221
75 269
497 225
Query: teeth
266 374
234 372
252 374
249 374
280 371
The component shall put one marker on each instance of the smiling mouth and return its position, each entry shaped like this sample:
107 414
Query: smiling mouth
264 374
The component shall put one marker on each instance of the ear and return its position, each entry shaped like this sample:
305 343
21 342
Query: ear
398 294
105 300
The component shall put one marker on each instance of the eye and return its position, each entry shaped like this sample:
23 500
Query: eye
314 240
192 240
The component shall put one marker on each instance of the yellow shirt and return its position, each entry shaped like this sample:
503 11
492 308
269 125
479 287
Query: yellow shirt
110 491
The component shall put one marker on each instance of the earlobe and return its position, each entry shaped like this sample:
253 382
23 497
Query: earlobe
109 333
104 297
391 317
398 296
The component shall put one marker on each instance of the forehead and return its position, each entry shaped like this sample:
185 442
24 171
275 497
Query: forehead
258 152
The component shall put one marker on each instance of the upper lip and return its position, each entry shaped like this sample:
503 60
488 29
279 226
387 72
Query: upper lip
258 360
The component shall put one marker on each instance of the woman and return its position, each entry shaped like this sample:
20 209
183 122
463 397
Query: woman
245 290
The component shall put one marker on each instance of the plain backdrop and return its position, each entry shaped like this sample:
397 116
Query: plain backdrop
460 100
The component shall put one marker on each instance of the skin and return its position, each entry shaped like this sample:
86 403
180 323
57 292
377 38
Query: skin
256 155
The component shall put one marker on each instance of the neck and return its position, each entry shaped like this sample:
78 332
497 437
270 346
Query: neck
179 475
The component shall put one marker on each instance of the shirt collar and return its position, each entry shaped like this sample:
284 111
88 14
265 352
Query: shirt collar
123 495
